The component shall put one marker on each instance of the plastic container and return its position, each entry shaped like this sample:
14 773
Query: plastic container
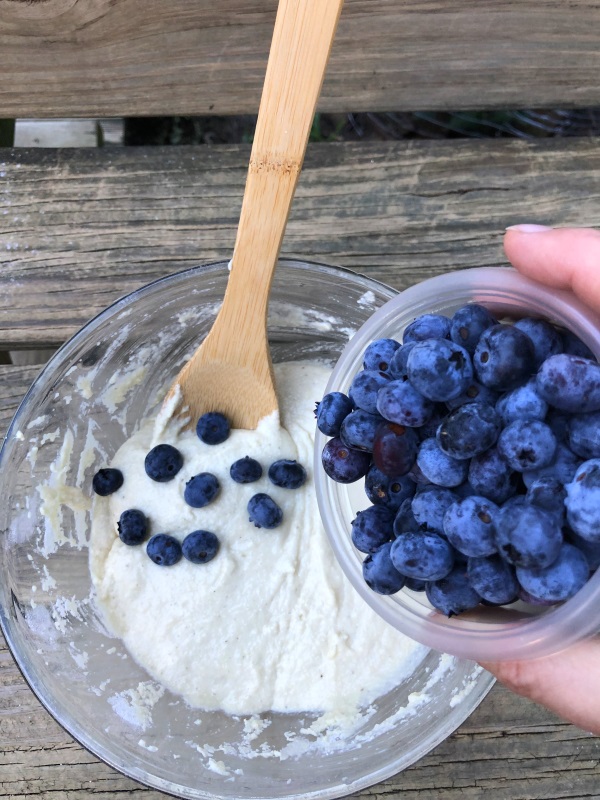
510 632
80 672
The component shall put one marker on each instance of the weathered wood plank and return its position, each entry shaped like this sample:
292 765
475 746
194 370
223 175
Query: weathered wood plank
128 57
78 228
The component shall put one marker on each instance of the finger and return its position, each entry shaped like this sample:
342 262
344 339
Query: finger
566 683
565 258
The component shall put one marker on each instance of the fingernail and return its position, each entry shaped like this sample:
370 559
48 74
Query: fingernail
528 228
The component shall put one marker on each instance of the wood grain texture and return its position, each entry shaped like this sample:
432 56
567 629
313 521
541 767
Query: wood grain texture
101 58
80 228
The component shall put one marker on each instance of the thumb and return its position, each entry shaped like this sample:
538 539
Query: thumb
565 258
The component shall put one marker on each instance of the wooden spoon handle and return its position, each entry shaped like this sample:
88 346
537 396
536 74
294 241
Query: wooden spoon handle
302 38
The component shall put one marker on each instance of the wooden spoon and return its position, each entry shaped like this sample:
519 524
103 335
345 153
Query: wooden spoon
231 371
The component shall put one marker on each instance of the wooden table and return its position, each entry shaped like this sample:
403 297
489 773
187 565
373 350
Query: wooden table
80 228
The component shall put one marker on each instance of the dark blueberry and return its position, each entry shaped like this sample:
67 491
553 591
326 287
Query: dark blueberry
503 358
415 585
331 412
468 323
440 412
107 480
287 474
591 550
468 430
469 526
439 369
132 527
438 467
400 402
558 422
364 388
572 345
548 493
570 383
164 550
387 490
427 326
395 448
491 477
425 556
245 470
380 574
200 547
359 428
563 466
453 594
398 365
430 505
372 527
201 490
559 580
527 444
343 464
583 432
474 393
213 428
404 521
264 512
163 463
379 354
527 536
583 501
522 403
493 579
546 340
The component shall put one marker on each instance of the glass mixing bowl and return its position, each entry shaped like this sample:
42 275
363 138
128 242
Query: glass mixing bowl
85 403
510 632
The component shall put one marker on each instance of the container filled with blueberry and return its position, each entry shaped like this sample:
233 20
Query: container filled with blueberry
458 464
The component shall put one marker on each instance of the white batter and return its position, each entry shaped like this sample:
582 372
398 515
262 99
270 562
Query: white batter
271 623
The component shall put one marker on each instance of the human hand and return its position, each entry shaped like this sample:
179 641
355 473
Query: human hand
568 682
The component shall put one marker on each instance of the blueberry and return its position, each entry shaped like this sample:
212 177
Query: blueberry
583 501
468 323
343 464
132 527
453 594
522 403
359 428
548 493
563 466
395 448
372 527
493 579
264 512
468 430
200 547
546 340
469 526
201 490
572 345
591 550
570 383
559 580
107 480
439 369
163 463
164 550
430 505
429 429
415 585
387 490
400 402
427 326
404 521
331 412
287 474
503 358
364 387
491 477
380 574
474 393
527 444
245 470
426 556
438 467
583 432
527 536
379 354
213 428
398 365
